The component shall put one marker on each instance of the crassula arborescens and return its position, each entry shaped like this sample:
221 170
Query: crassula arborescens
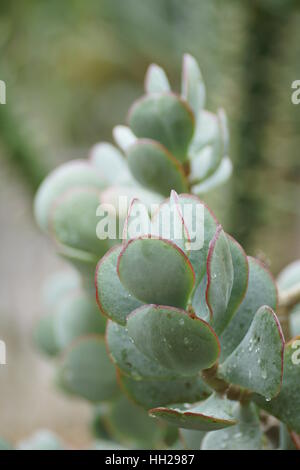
188 332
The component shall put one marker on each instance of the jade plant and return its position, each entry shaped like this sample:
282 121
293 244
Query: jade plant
168 329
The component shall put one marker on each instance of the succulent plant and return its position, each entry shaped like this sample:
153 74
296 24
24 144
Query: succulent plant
188 332
171 141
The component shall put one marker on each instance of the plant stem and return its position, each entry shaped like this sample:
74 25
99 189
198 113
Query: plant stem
232 392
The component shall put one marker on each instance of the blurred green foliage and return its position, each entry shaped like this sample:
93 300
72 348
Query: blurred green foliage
72 69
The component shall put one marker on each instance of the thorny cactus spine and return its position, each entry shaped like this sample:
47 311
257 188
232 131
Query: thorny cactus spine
191 333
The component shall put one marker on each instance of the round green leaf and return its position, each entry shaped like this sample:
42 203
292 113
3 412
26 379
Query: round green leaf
156 80
220 176
206 133
131 360
257 363
199 300
86 371
240 276
156 271
240 283
214 413
58 285
74 221
151 393
124 137
178 341
193 89
154 167
76 173
131 425
208 147
219 280
111 163
246 435
114 300
44 336
286 406
261 291
166 119
77 315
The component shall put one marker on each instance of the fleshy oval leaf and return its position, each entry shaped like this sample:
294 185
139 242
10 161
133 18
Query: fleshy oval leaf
257 363
111 163
156 80
176 340
239 287
132 426
240 276
124 137
156 271
221 175
166 119
77 315
193 89
152 393
86 371
44 336
212 414
130 360
246 435
261 291
154 167
58 285
68 176
205 133
74 221
113 299
219 280
286 406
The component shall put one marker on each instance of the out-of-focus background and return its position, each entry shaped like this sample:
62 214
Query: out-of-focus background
72 68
